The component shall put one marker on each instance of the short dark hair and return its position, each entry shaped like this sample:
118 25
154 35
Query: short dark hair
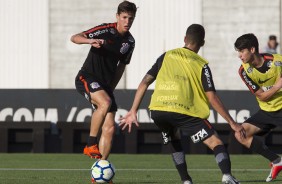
127 7
196 34
272 37
247 41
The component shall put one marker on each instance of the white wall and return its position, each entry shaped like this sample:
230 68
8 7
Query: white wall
36 51
24 45
225 21
160 25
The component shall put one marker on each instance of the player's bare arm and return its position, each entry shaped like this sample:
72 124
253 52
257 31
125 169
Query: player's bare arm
131 116
81 38
266 95
219 107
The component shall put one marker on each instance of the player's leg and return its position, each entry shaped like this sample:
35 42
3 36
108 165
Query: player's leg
222 158
97 96
102 104
178 157
257 145
220 152
171 137
257 125
106 139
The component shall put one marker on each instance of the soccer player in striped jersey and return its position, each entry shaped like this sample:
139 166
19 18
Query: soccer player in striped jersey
262 75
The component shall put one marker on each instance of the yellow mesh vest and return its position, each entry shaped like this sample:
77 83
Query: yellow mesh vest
266 81
179 86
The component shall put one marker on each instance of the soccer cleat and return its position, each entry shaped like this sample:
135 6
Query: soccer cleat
229 179
92 152
275 169
187 182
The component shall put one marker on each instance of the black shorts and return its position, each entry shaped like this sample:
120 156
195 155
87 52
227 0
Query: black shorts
86 85
266 120
169 122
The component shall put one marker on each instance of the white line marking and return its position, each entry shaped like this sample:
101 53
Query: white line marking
46 169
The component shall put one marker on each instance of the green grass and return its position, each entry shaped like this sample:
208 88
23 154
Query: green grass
140 169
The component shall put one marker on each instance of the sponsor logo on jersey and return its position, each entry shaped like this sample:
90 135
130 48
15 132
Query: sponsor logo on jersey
266 88
94 85
248 82
278 63
97 33
124 48
208 76
199 136
113 31
263 81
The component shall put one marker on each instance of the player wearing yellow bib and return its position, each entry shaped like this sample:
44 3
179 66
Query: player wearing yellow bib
262 74
180 102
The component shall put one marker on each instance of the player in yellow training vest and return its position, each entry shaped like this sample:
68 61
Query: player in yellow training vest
262 74
180 102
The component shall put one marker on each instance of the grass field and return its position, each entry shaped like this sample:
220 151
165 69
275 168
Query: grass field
140 169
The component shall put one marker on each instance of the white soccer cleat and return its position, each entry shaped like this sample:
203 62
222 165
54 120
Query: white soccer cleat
275 169
229 179
187 182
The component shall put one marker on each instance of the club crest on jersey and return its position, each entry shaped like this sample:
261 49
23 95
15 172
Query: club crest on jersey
124 48
197 137
94 85
250 70
269 63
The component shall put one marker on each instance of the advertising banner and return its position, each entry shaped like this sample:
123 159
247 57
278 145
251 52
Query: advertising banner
67 105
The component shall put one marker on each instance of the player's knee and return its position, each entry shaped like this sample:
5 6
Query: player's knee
105 105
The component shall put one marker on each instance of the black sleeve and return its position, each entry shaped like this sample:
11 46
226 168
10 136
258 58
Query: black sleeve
253 87
93 32
156 67
207 81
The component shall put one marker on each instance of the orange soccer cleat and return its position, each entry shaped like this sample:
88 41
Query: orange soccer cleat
275 169
92 151
93 181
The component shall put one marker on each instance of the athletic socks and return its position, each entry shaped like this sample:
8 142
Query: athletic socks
178 157
92 141
222 159
181 166
259 147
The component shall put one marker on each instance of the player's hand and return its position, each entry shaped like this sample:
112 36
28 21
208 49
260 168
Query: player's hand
96 42
127 120
238 128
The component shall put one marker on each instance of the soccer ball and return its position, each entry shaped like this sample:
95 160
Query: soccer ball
102 171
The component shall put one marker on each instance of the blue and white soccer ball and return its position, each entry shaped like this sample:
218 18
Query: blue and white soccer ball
102 171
